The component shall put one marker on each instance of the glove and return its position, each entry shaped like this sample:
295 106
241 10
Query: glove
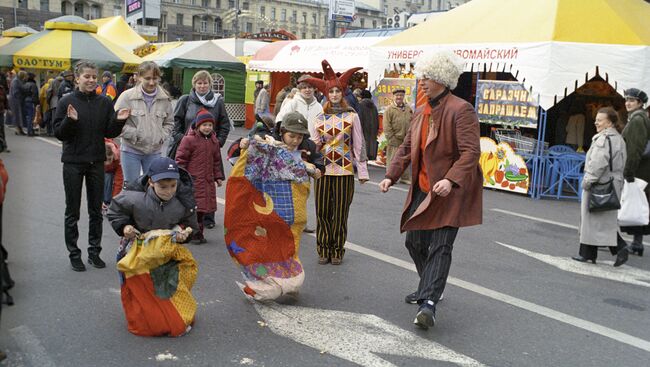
629 179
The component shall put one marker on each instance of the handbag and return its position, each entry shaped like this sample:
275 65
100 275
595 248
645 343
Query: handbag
602 196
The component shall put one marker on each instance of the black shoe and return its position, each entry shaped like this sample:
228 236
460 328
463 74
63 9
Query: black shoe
412 298
426 316
621 257
95 261
209 226
637 248
308 230
77 264
582 259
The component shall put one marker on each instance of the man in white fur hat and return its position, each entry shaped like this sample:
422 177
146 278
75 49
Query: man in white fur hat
443 148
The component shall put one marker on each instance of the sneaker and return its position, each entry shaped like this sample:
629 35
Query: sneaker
336 261
323 260
95 261
77 264
426 316
412 298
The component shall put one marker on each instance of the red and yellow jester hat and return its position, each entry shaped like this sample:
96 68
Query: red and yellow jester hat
330 80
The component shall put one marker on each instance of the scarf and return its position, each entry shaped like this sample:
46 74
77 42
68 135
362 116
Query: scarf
208 102
149 97
336 109
436 100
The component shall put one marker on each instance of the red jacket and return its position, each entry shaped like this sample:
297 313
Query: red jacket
201 157
4 176
115 167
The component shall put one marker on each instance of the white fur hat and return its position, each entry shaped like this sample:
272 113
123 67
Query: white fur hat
442 66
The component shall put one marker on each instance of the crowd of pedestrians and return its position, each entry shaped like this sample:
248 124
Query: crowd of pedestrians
435 150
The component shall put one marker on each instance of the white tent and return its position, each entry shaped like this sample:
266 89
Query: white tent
239 46
552 46
306 55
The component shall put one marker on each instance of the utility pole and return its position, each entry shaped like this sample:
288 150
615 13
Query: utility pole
144 12
15 15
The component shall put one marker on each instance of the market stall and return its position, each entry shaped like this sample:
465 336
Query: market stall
118 30
286 60
550 48
65 41
181 60
11 34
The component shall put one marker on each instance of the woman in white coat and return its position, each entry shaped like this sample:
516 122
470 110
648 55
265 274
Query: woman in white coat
605 161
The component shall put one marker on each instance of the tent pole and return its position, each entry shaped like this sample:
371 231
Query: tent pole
539 153
478 76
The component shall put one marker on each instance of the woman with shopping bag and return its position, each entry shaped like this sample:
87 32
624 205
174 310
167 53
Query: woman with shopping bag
637 136
603 165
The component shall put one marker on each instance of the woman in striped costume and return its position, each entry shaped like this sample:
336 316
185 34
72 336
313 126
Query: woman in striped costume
339 137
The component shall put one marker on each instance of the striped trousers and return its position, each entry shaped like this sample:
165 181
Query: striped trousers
431 252
333 198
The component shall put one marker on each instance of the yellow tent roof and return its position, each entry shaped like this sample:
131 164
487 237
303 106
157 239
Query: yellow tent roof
118 30
620 22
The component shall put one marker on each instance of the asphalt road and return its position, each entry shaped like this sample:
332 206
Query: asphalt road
525 304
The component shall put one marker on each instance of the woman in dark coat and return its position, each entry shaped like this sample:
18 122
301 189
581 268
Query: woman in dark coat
17 99
637 136
369 117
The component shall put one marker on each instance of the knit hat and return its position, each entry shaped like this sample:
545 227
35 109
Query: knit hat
163 168
203 116
68 73
295 122
330 80
107 74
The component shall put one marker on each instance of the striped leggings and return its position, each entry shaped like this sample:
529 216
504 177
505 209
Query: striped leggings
333 198
431 252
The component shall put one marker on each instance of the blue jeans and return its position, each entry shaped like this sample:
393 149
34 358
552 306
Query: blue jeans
29 113
133 162
108 187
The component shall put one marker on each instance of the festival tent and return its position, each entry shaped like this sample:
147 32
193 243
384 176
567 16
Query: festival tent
239 46
306 55
552 46
64 41
118 30
186 58
12 34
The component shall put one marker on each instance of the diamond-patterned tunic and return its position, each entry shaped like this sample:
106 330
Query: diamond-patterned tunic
340 139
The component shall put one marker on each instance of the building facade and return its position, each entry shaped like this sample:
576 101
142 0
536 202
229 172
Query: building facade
34 13
208 19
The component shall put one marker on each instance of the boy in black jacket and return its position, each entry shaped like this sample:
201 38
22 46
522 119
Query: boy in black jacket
83 119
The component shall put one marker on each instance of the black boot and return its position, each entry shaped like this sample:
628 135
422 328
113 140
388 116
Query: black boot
95 261
621 257
77 264
637 248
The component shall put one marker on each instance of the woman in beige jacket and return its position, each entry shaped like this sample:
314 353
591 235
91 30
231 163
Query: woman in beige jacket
604 162
149 125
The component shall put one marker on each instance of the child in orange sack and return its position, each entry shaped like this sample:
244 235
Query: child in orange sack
199 153
113 177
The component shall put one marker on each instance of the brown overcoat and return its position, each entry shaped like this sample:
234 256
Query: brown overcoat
452 151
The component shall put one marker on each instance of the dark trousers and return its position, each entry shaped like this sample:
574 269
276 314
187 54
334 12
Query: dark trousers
208 218
73 178
431 253
200 217
333 198
591 252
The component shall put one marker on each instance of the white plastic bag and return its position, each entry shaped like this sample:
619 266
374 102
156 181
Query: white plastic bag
634 204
